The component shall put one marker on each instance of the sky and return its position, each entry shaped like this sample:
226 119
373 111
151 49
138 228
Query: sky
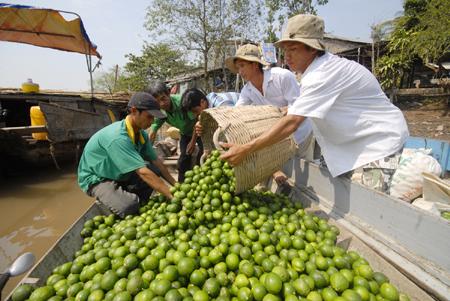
117 28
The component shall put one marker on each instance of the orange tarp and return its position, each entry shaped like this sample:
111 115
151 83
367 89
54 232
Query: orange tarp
44 28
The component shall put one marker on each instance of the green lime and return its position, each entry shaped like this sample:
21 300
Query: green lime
135 285
389 292
314 296
201 295
22 292
123 296
186 266
96 295
258 291
380 278
273 283
198 277
42 293
144 295
160 286
339 282
212 287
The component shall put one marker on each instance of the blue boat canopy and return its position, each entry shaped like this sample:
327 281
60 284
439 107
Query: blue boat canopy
45 28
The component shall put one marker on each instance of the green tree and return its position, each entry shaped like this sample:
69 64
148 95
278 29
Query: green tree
199 26
110 81
422 33
158 61
431 40
281 10
379 33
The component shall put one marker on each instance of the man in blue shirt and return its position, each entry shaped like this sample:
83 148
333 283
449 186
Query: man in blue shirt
222 99
194 101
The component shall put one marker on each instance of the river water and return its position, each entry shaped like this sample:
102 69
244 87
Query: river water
36 208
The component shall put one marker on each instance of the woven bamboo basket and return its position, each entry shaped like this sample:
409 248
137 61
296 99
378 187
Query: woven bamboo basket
241 125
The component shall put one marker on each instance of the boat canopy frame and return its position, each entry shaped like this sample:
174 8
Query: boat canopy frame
44 27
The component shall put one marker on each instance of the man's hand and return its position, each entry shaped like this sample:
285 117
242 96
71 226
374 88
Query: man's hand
279 177
236 153
152 136
282 129
190 148
284 110
198 129
152 180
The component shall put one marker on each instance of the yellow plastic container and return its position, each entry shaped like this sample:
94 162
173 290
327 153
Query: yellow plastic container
37 118
30 87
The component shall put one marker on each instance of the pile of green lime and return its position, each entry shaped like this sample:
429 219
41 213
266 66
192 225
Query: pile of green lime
209 244
445 214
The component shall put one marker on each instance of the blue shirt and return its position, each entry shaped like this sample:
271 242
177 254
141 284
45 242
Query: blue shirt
222 99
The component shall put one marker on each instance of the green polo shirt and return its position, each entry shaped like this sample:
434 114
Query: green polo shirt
111 154
176 118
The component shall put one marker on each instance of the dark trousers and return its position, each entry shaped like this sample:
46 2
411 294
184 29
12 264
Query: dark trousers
185 162
137 186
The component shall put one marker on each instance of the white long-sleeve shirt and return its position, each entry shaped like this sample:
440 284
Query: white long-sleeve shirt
280 89
353 120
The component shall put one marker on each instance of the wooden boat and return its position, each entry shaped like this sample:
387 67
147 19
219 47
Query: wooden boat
71 119
409 245
78 120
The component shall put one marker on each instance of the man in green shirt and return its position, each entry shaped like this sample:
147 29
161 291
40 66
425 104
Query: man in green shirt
178 118
113 166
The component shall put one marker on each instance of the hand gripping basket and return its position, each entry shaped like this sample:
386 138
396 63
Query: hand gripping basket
241 125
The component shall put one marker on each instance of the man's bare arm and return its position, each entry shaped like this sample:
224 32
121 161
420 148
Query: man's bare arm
282 129
164 171
191 145
154 181
152 135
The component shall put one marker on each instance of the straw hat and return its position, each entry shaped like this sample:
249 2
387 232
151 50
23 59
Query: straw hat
307 29
247 52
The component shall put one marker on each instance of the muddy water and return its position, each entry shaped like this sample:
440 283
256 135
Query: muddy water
35 209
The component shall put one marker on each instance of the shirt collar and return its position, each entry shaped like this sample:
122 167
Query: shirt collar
317 61
131 133
267 77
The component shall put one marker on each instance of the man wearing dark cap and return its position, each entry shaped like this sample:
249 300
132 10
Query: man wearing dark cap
119 166
353 121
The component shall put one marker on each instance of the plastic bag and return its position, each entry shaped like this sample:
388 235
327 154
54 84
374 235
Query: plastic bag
407 181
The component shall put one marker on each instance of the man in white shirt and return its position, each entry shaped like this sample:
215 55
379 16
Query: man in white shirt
272 86
353 121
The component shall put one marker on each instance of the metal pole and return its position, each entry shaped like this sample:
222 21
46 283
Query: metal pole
90 75
89 65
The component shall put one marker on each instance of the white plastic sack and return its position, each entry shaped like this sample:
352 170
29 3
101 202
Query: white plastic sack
407 181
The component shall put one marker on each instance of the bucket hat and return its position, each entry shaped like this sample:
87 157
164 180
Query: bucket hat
307 29
145 101
247 52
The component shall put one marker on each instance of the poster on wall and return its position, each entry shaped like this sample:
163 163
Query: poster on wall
269 53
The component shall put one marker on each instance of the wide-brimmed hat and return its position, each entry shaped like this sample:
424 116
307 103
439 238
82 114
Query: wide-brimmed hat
247 52
145 101
307 29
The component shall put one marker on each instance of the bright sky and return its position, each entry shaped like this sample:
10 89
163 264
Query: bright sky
116 27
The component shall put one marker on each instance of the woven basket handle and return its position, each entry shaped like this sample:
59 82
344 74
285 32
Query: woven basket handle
216 134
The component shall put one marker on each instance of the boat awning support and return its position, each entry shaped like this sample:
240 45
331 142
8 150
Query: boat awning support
47 28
